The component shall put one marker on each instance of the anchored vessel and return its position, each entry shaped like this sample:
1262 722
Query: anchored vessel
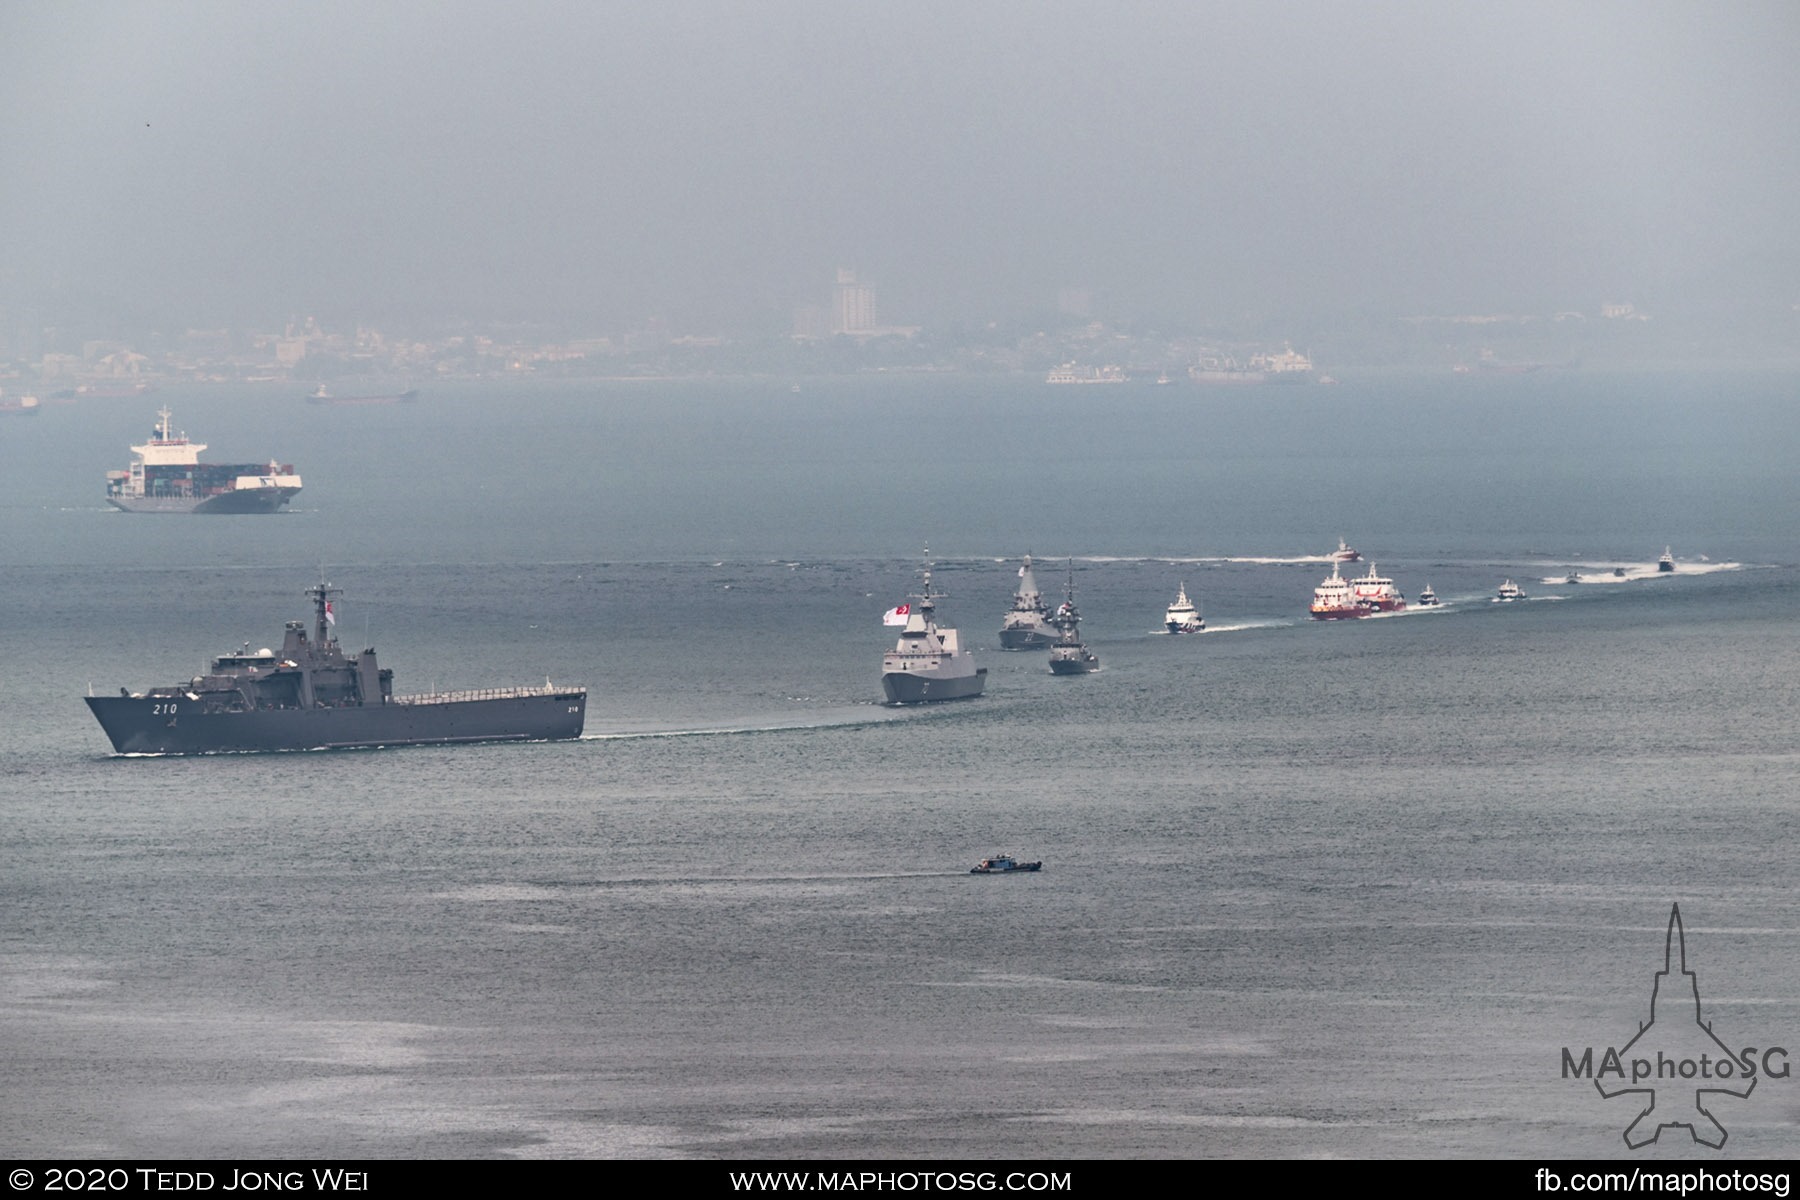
1026 625
310 695
929 662
1070 656
1182 616
322 396
167 476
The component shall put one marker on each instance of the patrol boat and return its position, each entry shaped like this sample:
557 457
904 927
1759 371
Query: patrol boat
929 662
1070 656
1026 625
310 695
1182 616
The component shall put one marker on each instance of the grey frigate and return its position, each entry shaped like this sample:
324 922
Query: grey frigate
1070 656
929 662
1027 625
310 695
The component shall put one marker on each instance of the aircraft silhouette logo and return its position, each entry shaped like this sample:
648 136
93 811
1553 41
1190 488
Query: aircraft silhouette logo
1687 1059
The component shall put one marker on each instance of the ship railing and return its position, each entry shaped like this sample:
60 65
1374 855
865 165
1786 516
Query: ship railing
511 693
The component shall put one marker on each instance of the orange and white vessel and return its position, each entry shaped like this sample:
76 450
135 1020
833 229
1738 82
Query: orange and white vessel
1335 599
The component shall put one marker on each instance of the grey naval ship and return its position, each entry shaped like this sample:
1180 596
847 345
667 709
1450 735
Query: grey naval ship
929 662
310 695
167 476
1026 625
1069 656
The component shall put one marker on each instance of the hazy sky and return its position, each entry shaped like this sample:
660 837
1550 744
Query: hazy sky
713 163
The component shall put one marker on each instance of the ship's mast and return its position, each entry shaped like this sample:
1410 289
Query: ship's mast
321 594
927 605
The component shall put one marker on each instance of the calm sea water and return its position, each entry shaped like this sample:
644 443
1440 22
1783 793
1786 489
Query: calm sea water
1309 889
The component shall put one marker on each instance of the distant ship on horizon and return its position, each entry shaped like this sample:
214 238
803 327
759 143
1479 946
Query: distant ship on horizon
324 396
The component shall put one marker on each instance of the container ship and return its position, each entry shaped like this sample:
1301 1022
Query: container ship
167 476
310 695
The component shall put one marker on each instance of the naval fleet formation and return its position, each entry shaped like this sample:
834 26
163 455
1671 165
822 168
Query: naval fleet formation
311 695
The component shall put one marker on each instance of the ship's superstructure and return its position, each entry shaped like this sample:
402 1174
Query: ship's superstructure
311 695
1026 625
167 476
929 662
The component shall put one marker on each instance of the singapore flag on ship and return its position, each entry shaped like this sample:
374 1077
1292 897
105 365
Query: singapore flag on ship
330 616
896 615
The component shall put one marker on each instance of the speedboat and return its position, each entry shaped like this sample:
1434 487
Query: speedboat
1428 598
1573 577
1666 562
1509 591
1344 553
1001 864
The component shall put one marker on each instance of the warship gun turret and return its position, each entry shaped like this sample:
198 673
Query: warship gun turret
310 695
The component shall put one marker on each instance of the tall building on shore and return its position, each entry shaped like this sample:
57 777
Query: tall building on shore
854 312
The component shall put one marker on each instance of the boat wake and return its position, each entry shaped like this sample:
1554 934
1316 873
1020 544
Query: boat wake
1608 573
875 716
1234 627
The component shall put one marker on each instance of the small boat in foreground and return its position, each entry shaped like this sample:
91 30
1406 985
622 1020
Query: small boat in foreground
1428 598
1001 864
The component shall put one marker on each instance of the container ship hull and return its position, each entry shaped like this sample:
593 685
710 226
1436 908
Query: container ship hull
238 500
161 725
